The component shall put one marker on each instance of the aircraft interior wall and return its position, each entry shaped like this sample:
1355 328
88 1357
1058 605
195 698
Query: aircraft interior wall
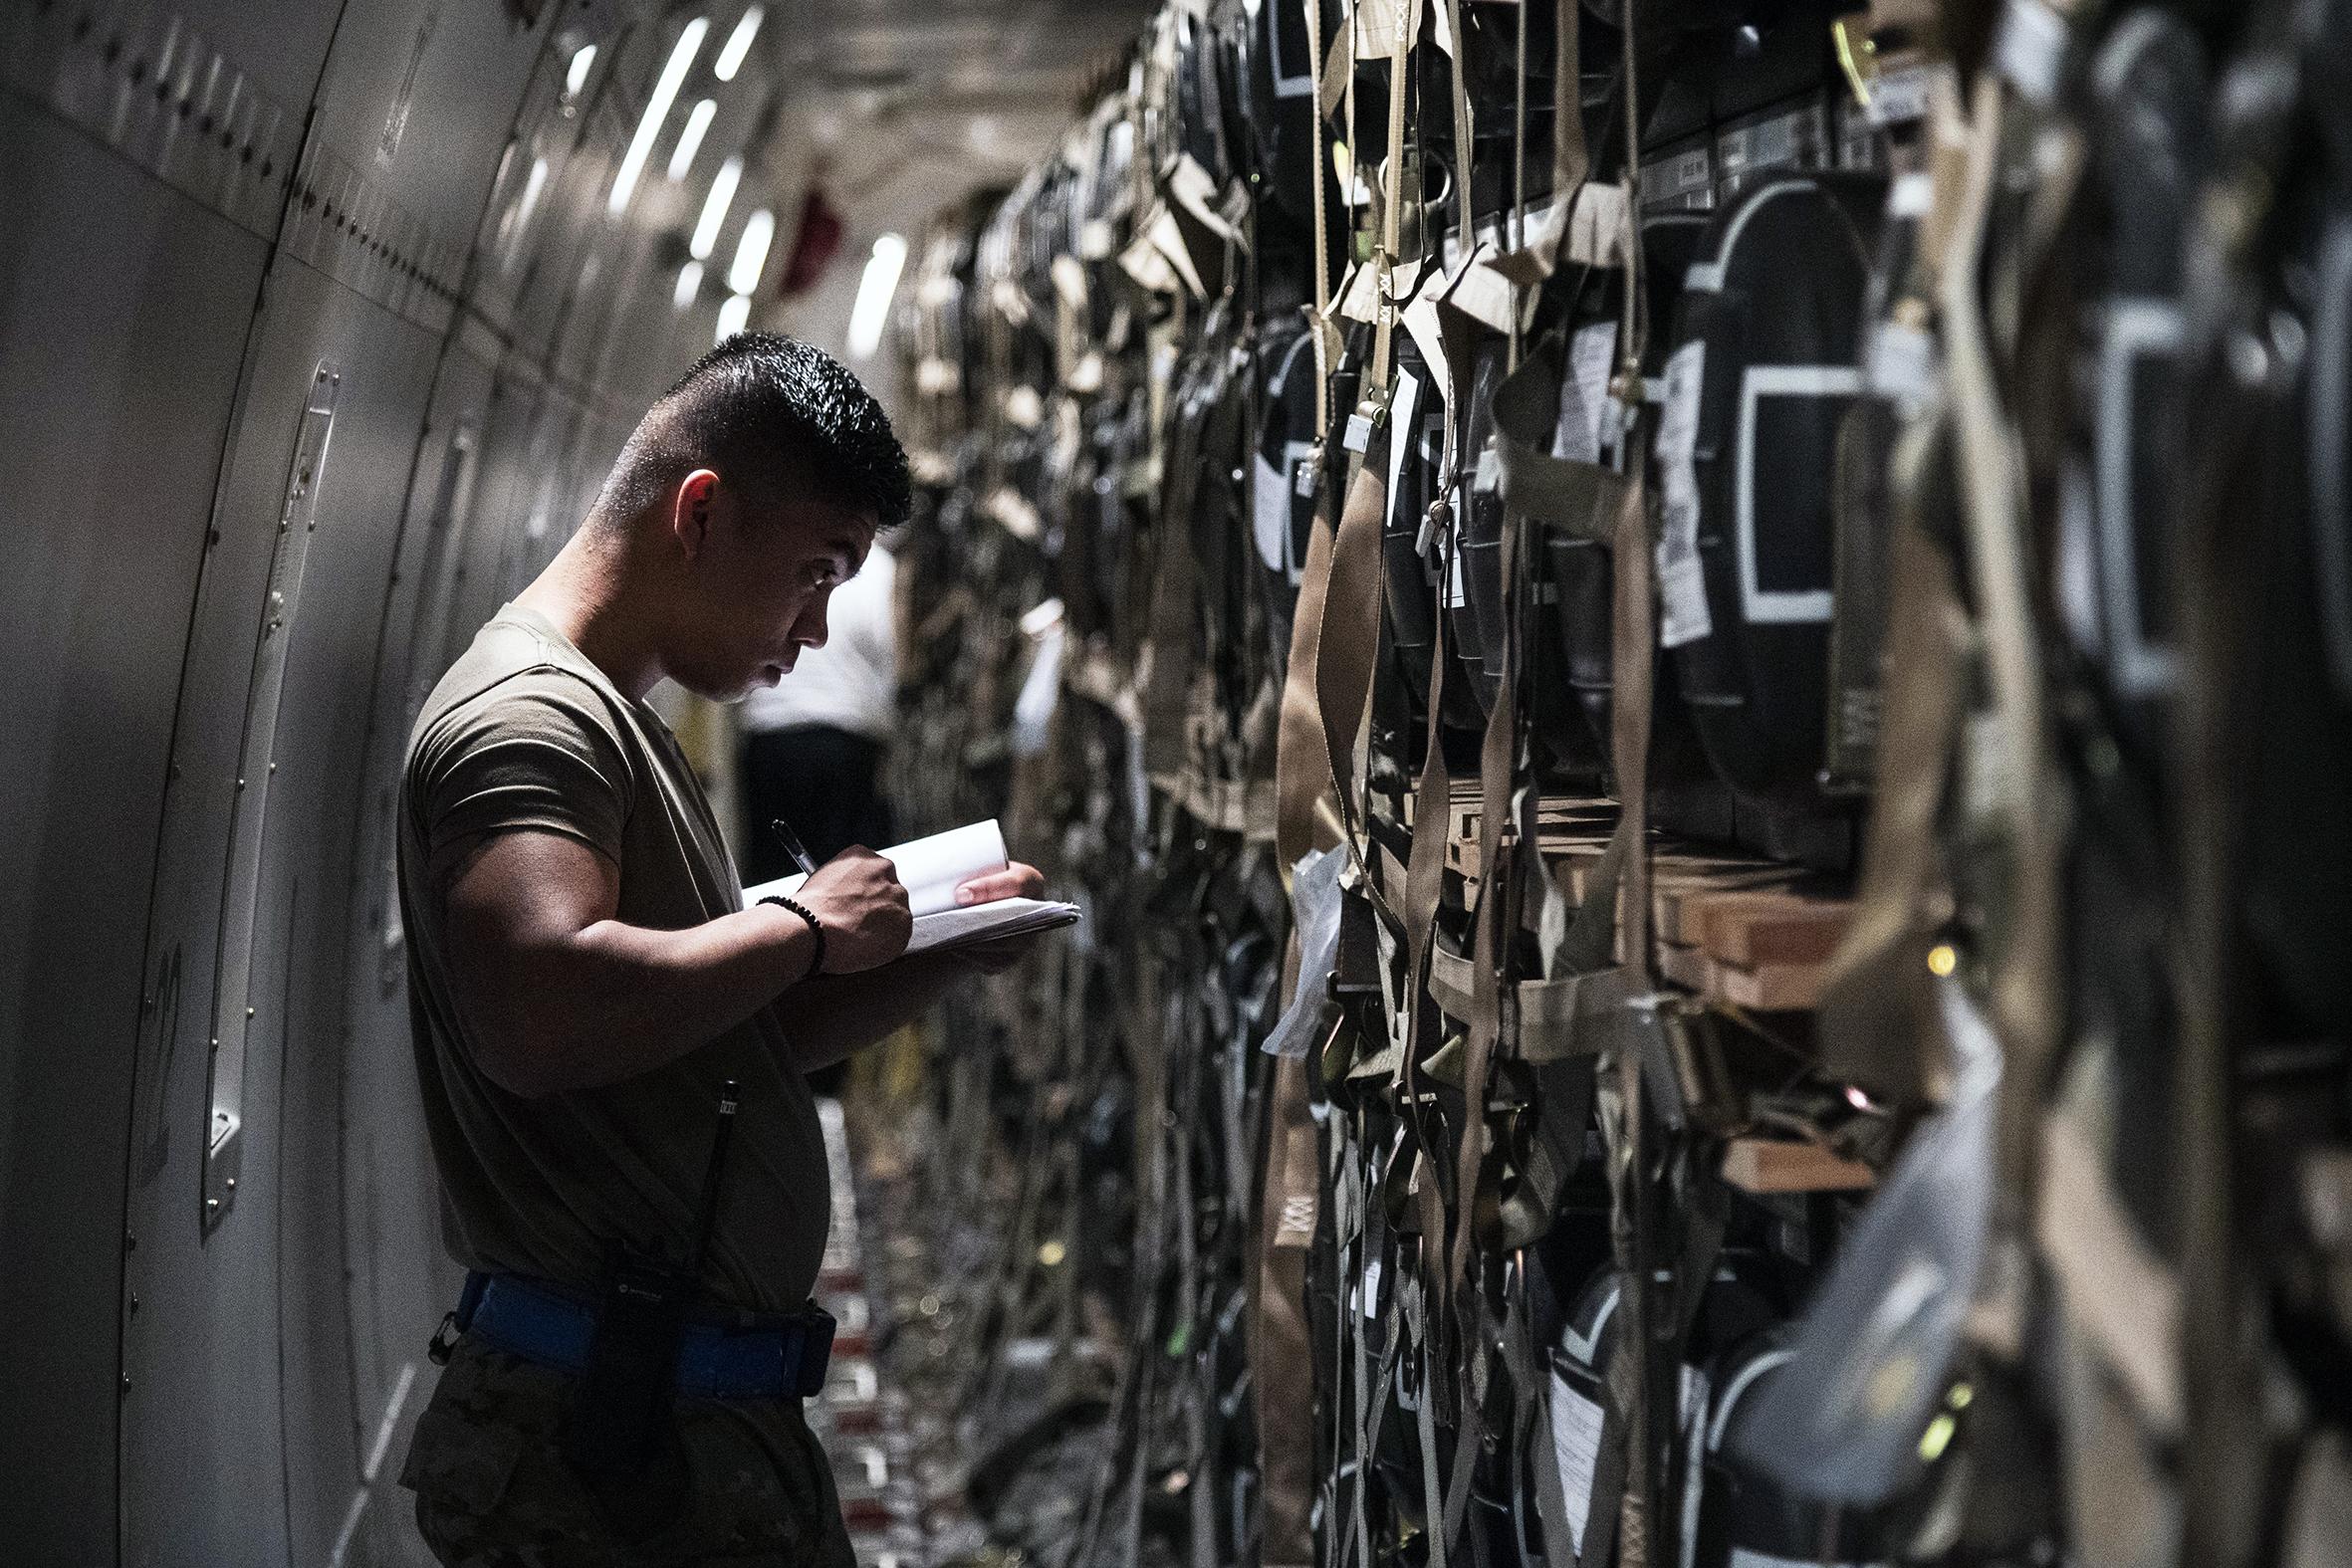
318 331
1690 661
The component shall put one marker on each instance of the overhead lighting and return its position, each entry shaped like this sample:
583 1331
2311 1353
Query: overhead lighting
517 221
873 295
714 208
689 285
751 252
584 60
732 315
738 44
690 140
657 109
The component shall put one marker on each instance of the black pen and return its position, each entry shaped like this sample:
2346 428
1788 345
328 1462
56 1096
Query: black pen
792 848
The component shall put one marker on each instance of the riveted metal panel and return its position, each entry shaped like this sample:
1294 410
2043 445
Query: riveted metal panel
402 145
116 386
165 95
333 1414
472 589
419 95
398 1278
232 1367
281 46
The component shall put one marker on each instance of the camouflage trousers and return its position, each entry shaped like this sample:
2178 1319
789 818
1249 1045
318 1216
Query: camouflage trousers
493 1491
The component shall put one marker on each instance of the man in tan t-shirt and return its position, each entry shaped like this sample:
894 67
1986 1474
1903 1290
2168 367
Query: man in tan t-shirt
583 978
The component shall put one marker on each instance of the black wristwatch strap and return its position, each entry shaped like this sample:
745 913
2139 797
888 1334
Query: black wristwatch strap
816 959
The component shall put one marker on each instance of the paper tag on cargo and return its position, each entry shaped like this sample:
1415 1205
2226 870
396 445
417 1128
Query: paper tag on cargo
1585 392
1486 477
1576 1444
1270 513
1682 585
1400 429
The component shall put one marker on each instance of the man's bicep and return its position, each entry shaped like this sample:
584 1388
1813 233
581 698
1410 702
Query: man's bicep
512 897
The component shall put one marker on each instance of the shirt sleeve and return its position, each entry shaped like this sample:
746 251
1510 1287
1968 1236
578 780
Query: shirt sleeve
537 750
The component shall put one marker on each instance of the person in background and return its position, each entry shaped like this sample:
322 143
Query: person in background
813 742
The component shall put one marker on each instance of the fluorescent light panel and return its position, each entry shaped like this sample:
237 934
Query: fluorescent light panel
751 252
584 60
873 295
714 208
738 44
689 285
690 140
658 108
732 315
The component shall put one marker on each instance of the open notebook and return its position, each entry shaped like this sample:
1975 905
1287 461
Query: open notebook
931 868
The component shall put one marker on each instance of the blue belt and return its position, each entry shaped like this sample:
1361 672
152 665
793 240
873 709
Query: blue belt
778 1357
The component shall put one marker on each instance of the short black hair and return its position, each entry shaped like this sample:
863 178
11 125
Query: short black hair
774 418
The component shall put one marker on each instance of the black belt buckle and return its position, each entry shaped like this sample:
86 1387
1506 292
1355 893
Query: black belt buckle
815 1326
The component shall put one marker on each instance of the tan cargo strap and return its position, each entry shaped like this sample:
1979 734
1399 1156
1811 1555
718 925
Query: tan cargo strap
1169 696
1347 640
1301 775
1462 135
1347 629
1433 791
1321 324
1549 1011
1633 618
1879 1025
1492 1019
1582 498
1491 1014
1392 196
1537 256
2024 1001
1514 232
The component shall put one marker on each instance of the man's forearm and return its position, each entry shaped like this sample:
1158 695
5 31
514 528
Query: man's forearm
836 1015
618 1000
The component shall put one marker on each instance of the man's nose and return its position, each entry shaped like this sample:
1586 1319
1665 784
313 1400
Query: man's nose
810 630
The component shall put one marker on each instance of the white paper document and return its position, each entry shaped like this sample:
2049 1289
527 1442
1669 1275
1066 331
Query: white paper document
931 869
1577 1427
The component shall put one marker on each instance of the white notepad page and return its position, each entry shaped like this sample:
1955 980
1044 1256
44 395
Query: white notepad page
931 869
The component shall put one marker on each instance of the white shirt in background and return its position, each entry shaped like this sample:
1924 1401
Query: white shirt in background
852 683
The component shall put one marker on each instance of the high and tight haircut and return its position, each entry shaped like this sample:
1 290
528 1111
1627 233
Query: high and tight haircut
775 419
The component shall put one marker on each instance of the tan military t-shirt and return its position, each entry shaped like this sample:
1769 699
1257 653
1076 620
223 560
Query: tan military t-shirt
525 733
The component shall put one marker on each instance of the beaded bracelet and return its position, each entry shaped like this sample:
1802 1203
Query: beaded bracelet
816 959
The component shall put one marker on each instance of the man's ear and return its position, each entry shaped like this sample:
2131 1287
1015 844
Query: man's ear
690 511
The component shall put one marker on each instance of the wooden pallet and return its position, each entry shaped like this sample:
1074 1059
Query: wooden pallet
1784 1164
1731 926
